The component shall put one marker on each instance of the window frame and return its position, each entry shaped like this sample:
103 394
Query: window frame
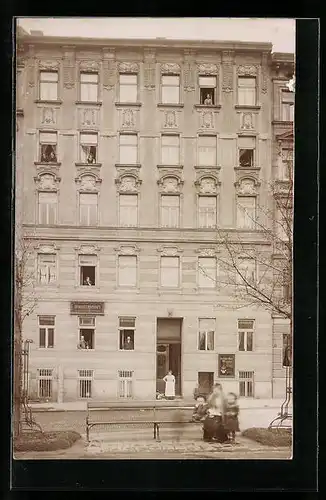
120 195
245 332
127 286
97 84
202 196
285 91
137 88
253 149
40 81
255 270
253 225
165 287
89 377
243 78
38 267
124 134
167 195
124 329
206 335
200 87
81 144
199 136
246 381
162 147
214 281
46 326
46 377
55 204
96 272
41 143
81 195
169 75
91 327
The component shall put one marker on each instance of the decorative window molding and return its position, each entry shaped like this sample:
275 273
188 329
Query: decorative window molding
264 74
89 66
170 183
207 184
128 119
88 117
69 69
109 68
247 121
88 182
247 186
207 251
207 121
207 69
128 183
87 250
247 70
169 251
170 69
127 250
47 248
50 65
189 71
128 67
47 181
227 69
48 116
170 119
149 69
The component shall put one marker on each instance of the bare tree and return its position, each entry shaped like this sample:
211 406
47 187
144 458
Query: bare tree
25 301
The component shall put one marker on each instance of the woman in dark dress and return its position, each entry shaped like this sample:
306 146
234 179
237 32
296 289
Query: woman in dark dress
231 415
214 429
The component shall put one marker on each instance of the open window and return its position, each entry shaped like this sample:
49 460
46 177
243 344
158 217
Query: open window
127 334
87 270
86 332
207 90
246 151
48 147
88 148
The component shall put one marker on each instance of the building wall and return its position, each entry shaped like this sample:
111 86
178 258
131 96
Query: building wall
150 119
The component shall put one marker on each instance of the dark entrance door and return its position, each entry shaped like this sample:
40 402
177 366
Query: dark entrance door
168 352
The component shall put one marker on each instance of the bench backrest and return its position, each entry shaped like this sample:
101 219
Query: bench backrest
137 412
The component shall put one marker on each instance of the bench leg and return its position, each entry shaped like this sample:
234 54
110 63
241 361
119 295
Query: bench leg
154 431
158 432
87 431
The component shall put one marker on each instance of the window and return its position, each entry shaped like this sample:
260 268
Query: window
46 331
86 332
47 269
246 151
246 271
48 147
286 164
47 208
246 91
128 210
170 89
88 87
48 85
88 209
287 106
207 211
87 266
287 350
125 389
246 212
207 150
45 383
128 88
206 334
284 223
205 382
88 148
170 151
246 384
127 334
207 90
128 149
245 332
85 378
127 270
170 210
170 271
207 272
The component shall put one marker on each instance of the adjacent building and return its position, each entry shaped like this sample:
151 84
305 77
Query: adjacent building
129 155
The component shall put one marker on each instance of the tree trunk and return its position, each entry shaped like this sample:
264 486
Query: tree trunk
17 387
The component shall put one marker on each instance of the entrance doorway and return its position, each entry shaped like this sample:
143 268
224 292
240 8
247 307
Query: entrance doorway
168 352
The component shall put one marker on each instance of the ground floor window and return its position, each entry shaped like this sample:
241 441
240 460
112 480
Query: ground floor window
246 384
45 383
125 388
86 332
205 382
85 379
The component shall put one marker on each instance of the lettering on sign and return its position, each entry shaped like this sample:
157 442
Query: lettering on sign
87 308
226 365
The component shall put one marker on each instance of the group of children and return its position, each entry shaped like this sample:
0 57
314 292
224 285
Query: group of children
219 415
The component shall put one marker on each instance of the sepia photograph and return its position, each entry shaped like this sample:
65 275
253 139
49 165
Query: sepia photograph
153 258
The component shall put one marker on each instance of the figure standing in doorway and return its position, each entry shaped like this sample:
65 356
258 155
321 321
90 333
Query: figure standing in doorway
169 380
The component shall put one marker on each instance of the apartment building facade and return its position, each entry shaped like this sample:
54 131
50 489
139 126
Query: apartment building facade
130 154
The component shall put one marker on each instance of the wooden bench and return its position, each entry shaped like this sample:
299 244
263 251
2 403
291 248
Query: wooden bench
153 413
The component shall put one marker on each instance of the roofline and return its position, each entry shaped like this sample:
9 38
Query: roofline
287 57
149 42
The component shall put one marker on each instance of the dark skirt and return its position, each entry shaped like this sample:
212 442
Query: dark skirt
214 429
232 424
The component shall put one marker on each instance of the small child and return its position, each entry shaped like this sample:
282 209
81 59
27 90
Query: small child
200 409
231 415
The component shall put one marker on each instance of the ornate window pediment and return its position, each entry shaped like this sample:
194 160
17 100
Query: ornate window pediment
247 186
128 67
89 66
170 69
207 184
247 70
170 184
51 64
128 183
207 69
47 181
127 250
46 248
87 249
169 251
88 182
207 251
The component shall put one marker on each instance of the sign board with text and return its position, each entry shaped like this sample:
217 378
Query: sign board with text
94 308
226 365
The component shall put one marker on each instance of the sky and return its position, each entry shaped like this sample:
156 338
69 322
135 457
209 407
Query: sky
280 32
